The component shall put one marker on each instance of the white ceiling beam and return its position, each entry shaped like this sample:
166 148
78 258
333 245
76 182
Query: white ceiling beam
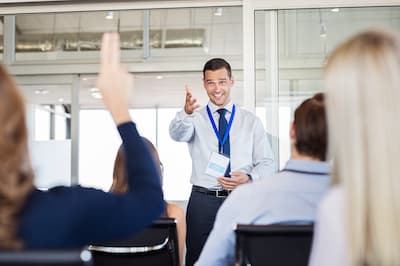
29 7
292 4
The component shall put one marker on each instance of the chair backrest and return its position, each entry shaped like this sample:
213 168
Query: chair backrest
273 244
155 246
46 258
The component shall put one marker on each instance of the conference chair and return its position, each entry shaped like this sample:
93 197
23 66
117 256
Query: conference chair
277 245
155 246
46 258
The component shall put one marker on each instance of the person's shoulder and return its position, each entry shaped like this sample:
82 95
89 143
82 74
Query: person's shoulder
77 197
246 114
71 189
74 192
248 190
250 198
333 195
333 200
243 110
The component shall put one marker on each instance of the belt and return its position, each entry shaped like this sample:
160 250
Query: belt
216 193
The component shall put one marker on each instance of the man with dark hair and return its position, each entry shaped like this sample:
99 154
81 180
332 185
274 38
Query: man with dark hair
216 64
291 196
228 146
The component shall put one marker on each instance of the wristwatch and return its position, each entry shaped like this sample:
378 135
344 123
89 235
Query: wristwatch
250 178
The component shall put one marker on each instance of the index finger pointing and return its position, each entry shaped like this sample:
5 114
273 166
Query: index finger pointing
188 92
104 50
115 52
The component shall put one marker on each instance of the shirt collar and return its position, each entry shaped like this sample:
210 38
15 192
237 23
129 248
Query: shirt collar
308 166
214 108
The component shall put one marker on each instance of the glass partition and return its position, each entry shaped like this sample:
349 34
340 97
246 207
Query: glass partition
199 33
75 36
305 38
99 142
183 34
49 127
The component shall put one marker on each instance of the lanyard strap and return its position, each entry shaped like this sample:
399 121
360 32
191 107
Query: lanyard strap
228 128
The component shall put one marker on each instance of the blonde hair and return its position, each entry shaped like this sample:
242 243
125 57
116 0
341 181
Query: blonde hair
363 93
16 175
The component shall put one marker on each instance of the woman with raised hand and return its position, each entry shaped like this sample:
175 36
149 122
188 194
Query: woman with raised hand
69 217
359 219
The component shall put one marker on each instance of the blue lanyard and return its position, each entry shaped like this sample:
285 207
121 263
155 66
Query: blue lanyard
221 142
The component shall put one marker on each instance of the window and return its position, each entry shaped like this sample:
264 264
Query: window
49 120
305 38
99 142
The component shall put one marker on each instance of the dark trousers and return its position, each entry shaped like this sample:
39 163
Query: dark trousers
200 216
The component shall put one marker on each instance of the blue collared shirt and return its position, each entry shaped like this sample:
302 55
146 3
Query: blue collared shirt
250 151
291 195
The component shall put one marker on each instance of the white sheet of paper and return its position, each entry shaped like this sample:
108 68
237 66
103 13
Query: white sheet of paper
217 165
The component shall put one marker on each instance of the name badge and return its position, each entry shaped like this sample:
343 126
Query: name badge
217 164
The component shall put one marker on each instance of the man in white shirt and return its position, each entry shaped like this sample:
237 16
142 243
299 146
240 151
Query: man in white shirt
218 131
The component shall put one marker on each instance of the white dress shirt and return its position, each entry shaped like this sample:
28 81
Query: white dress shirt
329 243
250 151
290 196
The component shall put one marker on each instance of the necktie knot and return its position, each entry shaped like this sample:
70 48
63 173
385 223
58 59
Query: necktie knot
221 111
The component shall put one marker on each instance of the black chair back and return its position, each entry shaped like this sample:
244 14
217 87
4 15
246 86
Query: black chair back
277 245
155 246
46 258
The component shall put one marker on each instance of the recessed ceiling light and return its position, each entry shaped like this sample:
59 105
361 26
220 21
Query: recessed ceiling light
336 9
159 77
97 95
61 100
109 15
218 11
41 91
95 92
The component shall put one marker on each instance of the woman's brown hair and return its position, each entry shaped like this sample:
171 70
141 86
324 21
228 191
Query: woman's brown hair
16 175
311 127
120 181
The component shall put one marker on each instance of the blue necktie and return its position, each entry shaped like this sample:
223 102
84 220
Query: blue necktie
225 149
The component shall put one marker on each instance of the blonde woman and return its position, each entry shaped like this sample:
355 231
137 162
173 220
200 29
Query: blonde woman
71 217
359 219
120 186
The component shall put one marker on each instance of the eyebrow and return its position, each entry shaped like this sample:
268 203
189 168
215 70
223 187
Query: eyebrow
217 79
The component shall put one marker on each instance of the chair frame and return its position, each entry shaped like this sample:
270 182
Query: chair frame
46 257
244 231
170 242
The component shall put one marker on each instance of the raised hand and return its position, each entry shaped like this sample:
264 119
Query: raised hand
190 102
114 81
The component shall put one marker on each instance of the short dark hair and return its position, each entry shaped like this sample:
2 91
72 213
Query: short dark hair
311 127
216 64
